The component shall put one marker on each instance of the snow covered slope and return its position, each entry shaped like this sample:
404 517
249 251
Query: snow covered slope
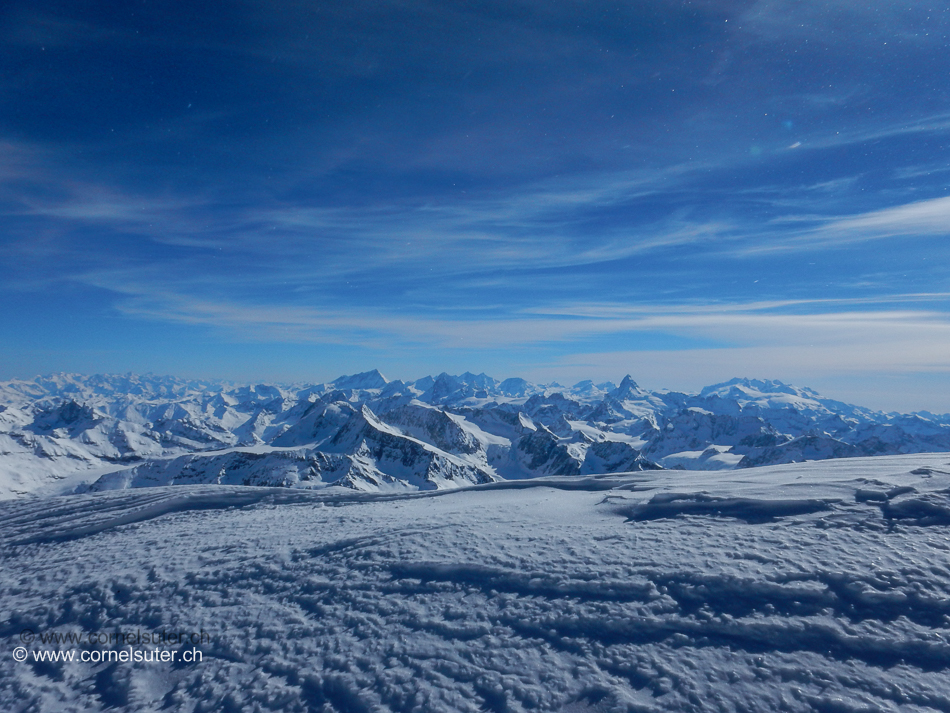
366 432
805 588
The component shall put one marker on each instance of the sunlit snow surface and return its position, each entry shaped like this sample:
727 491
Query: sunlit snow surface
804 587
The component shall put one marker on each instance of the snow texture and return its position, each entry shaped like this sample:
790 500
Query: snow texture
819 587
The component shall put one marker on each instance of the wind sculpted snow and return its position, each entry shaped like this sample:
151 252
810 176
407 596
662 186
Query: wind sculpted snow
804 587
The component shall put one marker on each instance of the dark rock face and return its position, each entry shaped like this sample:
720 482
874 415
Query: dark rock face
615 457
69 415
810 447
545 454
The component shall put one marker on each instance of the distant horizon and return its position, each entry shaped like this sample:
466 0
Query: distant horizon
556 383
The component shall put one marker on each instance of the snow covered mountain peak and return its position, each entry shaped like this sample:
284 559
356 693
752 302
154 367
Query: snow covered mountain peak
753 388
516 387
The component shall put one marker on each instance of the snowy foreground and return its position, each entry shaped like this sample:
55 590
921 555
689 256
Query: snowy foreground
802 587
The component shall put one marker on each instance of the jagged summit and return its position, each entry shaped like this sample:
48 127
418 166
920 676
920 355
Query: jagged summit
478 381
68 415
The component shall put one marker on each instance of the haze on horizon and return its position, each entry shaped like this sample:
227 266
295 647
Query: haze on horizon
682 191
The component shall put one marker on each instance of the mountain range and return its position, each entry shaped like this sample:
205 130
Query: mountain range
71 433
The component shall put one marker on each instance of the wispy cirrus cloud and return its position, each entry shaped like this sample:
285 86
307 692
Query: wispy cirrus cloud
930 217
796 233
835 21
786 323
509 242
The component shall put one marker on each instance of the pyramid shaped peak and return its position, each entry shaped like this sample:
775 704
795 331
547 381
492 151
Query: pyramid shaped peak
364 380
628 387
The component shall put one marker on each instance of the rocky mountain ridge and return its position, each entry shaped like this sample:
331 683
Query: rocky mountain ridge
366 432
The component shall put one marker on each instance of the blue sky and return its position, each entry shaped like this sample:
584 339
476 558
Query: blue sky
682 191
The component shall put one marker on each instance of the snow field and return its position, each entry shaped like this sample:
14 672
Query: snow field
559 594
